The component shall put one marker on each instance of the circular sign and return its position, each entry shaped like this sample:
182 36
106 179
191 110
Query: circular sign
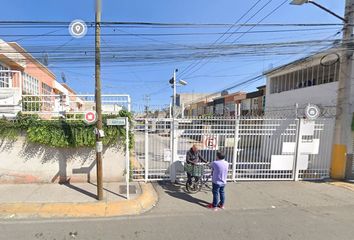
90 117
210 143
312 112
78 28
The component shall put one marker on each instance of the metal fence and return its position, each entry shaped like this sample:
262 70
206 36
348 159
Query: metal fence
256 148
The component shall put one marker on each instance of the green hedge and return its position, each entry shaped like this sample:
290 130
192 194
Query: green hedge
62 133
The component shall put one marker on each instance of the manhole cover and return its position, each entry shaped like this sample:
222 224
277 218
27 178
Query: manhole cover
123 189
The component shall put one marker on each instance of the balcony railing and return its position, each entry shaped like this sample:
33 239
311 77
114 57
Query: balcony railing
72 106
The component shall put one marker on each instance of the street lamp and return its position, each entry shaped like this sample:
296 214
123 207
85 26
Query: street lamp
301 2
173 81
174 127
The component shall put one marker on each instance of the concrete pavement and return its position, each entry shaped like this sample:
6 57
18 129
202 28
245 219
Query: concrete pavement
254 210
244 196
73 200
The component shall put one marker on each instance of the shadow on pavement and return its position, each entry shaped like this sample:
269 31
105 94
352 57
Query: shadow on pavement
178 191
109 191
80 190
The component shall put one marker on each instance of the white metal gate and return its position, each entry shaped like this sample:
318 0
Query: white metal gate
256 149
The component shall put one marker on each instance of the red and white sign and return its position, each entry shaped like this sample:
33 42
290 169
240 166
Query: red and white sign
210 142
90 117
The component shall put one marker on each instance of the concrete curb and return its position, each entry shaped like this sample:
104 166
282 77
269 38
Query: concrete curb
141 204
347 185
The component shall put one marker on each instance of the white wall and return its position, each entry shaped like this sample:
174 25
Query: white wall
23 162
322 95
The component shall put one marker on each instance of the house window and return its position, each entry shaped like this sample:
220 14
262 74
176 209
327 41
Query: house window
255 103
219 109
46 89
30 84
5 77
230 107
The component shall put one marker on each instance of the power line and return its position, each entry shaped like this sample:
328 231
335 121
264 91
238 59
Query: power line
191 66
28 36
268 15
43 24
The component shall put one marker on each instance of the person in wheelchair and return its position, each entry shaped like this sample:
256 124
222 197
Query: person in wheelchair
193 157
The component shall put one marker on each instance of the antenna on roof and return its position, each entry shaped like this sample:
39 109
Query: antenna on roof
45 59
63 77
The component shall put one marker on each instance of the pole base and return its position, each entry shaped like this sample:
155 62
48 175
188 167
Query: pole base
338 163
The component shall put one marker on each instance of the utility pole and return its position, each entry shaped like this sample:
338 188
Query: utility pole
342 132
147 101
99 131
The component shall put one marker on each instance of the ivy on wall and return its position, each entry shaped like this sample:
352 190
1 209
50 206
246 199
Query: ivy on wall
62 133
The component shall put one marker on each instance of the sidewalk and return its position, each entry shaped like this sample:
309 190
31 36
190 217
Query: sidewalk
74 200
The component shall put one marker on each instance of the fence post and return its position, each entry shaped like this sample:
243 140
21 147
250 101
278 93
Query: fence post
174 149
129 104
236 140
127 157
146 165
297 149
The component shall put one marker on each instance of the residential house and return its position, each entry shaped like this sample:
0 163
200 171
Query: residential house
233 104
26 84
254 103
75 102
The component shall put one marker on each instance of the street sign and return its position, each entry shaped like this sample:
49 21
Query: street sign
90 117
210 142
312 112
116 122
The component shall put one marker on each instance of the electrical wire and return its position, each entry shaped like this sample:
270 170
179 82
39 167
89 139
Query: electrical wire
191 66
265 17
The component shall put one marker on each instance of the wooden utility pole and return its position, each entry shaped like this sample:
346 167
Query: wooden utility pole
98 100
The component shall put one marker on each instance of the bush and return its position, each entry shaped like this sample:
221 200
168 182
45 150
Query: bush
63 133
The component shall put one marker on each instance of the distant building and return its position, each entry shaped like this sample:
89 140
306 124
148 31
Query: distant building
185 98
233 104
254 103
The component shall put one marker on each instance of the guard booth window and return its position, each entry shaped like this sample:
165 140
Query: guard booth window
306 77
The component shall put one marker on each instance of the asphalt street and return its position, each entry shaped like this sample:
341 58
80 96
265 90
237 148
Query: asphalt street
255 210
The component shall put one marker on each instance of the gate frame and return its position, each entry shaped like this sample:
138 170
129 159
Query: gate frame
174 143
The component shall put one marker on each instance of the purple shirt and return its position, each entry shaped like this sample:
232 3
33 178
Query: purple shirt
220 169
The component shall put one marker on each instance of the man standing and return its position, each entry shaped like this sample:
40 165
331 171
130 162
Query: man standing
220 168
193 157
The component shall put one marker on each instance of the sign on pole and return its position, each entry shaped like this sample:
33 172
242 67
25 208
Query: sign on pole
116 121
90 117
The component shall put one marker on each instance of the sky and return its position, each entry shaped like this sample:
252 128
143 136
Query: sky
127 67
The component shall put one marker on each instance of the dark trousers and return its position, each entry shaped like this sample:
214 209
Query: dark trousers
218 190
